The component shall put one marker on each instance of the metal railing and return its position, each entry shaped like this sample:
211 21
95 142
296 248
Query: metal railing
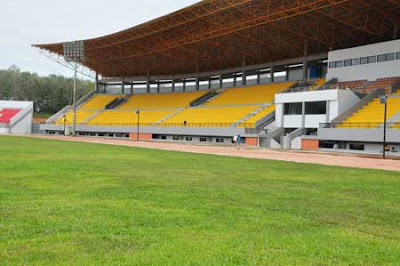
199 125
373 125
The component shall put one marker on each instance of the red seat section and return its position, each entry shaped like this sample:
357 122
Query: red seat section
7 114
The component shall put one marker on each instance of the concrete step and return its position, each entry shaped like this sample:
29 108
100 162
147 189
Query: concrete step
169 116
250 115
91 117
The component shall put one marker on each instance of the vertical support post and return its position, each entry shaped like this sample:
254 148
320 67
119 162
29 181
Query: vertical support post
287 72
131 88
272 73
234 80
173 85
138 124
209 83
104 87
303 116
96 84
221 82
244 77
158 86
305 61
395 31
328 111
74 99
258 76
184 84
197 83
148 82
197 76
123 86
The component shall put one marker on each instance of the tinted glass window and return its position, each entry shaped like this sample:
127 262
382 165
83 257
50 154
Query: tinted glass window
390 57
381 58
347 62
339 63
372 59
355 61
293 108
316 108
364 60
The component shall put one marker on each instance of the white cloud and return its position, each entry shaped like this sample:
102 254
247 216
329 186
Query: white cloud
25 22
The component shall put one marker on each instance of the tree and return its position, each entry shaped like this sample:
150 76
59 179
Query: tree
49 94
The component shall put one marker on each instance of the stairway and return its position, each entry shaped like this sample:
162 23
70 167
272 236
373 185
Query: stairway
169 116
203 99
91 117
247 117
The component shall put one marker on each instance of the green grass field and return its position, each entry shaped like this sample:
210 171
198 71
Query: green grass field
73 203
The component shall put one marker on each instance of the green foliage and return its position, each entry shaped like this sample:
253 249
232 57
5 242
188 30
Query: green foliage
65 203
49 94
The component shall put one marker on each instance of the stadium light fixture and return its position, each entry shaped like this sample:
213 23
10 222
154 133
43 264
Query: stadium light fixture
74 52
383 100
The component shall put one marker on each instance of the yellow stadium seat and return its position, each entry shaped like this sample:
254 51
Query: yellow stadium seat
251 94
81 116
210 116
318 83
372 115
162 100
100 101
251 122
129 117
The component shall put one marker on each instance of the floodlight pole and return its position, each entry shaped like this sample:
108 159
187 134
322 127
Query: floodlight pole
138 124
384 101
65 118
384 131
74 52
74 98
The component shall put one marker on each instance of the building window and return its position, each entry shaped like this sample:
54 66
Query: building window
386 57
398 56
316 108
371 59
381 58
355 61
357 147
363 60
202 139
336 64
220 140
390 57
189 138
348 62
293 109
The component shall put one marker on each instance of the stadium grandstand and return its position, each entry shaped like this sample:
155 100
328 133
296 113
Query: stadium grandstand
16 117
296 74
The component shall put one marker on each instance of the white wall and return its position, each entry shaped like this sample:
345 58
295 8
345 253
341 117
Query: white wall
21 123
339 101
371 71
24 126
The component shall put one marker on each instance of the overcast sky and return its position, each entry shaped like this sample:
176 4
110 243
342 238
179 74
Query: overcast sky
26 22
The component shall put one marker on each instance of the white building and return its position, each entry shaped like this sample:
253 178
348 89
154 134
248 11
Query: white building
311 108
16 117
369 62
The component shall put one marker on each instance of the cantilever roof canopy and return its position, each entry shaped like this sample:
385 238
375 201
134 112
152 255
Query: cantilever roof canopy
214 35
